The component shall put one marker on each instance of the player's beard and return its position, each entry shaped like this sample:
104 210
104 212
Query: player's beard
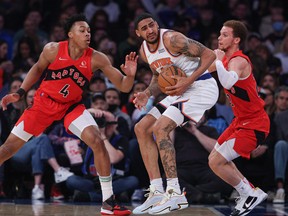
156 40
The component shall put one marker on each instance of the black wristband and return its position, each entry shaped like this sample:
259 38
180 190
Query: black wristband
21 92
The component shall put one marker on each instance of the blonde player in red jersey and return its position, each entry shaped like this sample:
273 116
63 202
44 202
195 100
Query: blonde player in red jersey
69 66
251 123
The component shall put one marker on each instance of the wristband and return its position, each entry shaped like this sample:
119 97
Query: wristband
21 92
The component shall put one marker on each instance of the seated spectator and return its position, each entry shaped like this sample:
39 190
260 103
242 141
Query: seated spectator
33 155
273 63
193 145
281 99
25 57
270 80
283 54
117 148
281 154
112 97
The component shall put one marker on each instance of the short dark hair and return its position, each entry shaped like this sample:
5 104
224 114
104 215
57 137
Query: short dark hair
239 29
71 20
140 17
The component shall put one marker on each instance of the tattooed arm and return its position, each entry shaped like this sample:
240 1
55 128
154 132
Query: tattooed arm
178 43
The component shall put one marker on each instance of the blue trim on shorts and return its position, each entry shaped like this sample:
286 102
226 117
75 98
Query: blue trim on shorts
204 77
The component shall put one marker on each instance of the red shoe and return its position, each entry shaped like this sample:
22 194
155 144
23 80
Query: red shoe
56 193
111 207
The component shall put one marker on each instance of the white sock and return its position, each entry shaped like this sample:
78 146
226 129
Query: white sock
243 188
249 183
106 187
158 184
173 182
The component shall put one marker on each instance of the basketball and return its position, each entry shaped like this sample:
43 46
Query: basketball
164 78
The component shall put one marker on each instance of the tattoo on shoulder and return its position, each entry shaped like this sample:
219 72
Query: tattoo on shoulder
187 46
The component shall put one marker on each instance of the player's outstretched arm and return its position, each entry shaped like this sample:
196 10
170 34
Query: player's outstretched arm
124 82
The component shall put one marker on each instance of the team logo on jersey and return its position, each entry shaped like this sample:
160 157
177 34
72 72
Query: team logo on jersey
161 50
160 63
83 64
232 90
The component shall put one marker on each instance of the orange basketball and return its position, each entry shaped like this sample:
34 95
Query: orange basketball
164 78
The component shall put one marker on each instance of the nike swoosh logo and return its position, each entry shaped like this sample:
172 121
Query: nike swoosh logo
62 59
252 200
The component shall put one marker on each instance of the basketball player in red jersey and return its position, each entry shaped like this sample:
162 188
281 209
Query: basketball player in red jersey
69 66
251 123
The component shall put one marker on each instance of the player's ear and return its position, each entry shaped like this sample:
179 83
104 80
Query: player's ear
137 33
70 34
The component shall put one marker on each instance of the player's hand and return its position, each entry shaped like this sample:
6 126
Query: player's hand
140 100
181 86
10 98
130 66
260 150
219 54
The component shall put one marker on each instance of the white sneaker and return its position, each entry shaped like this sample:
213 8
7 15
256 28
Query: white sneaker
37 193
172 201
153 197
246 204
280 196
62 174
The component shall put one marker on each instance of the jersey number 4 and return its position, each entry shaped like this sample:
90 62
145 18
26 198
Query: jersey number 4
64 91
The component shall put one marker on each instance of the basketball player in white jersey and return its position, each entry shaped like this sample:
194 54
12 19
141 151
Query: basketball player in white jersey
187 100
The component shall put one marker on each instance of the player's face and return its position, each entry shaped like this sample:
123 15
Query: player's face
148 29
80 34
226 38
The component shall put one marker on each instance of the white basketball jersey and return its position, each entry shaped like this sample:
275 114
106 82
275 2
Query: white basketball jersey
161 57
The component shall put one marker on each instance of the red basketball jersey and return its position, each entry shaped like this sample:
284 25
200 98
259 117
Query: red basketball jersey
244 98
66 78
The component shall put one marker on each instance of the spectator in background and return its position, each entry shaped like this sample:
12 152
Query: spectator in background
25 57
168 12
267 94
266 25
274 39
6 67
271 80
32 30
110 7
14 110
281 99
283 55
130 44
98 102
7 36
281 152
57 33
259 66
112 97
273 63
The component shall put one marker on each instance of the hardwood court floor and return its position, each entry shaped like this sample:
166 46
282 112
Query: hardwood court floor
40 208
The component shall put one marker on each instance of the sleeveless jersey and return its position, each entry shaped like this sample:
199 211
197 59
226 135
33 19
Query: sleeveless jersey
66 78
243 96
162 57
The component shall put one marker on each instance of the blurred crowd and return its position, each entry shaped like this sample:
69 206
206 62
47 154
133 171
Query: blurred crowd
59 166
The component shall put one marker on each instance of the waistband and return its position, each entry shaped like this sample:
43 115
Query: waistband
204 76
